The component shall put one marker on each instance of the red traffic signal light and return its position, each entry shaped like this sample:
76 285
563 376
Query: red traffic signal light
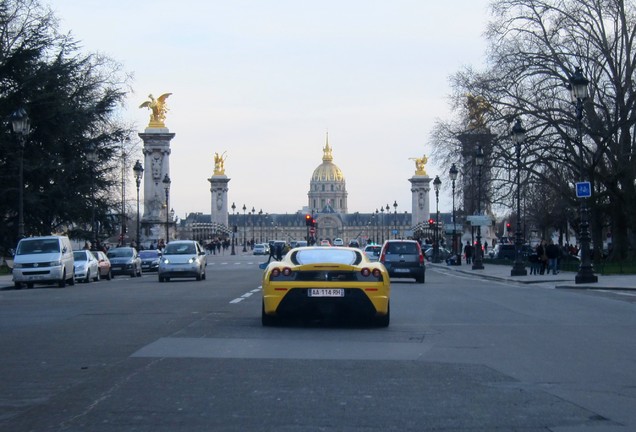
431 223
508 227
313 222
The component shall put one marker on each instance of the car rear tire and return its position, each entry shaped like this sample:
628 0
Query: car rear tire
109 275
71 281
98 276
420 279
267 320
384 320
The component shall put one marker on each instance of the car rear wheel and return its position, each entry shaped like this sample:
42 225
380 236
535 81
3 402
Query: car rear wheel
420 279
267 320
98 276
109 275
384 320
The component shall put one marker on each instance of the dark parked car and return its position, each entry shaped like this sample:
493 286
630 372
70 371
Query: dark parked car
403 259
124 261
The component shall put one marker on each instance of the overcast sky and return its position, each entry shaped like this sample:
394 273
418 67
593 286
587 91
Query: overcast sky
264 80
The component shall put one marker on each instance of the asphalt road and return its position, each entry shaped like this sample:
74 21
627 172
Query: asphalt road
461 354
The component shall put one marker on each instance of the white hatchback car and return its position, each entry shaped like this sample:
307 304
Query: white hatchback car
182 258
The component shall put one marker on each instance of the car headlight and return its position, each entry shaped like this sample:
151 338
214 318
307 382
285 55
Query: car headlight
166 261
17 265
192 260
55 263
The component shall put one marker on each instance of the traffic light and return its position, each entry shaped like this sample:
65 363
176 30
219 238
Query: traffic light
308 220
508 227
313 223
431 223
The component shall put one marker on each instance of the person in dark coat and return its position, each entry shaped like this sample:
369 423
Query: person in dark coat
468 252
543 259
552 252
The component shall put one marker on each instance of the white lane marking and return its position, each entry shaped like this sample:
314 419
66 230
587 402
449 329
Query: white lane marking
246 295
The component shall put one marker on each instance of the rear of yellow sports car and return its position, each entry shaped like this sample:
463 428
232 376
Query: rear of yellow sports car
316 282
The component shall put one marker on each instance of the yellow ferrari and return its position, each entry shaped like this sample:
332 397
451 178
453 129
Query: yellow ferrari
314 282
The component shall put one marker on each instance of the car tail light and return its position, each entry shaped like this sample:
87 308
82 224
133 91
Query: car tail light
419 248
377 273
275 272
365 272
382 254
287 271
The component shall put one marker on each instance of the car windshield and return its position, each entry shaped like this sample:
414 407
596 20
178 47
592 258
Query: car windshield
373 250
149 254
79 256
331 256
180 249
120 253
38 246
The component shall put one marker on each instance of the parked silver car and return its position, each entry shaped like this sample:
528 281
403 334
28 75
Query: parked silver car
182 258
86 266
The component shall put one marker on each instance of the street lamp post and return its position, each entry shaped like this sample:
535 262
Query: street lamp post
260 221
91 156
253 233
579 89
166 187
21 125
382 224
388 222
437 183
478 263
244 225
376 232
395 218
518 135
234 219
452 173
138 169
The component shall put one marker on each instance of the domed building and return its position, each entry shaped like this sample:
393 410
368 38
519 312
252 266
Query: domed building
326 204
327 187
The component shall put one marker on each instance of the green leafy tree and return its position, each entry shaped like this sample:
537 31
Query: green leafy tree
72 100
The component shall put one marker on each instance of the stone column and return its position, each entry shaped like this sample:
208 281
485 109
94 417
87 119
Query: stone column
219 208
420 187
156 164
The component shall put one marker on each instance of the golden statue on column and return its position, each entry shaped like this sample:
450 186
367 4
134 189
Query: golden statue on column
157 109
219 163
420 163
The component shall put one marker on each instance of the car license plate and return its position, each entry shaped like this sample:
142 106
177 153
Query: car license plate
325 292
401 270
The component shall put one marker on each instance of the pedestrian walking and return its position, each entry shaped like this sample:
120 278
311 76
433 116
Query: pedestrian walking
468 252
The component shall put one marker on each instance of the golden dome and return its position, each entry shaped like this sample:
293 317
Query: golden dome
327 170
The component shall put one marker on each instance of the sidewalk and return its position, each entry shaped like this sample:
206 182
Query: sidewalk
560 280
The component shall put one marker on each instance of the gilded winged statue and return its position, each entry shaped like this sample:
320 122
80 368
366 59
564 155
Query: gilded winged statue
477 107
157 109
219 163
420 165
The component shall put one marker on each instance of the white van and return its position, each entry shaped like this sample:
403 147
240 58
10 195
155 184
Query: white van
44 260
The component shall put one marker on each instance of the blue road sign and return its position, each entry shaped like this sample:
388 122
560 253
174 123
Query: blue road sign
583 189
